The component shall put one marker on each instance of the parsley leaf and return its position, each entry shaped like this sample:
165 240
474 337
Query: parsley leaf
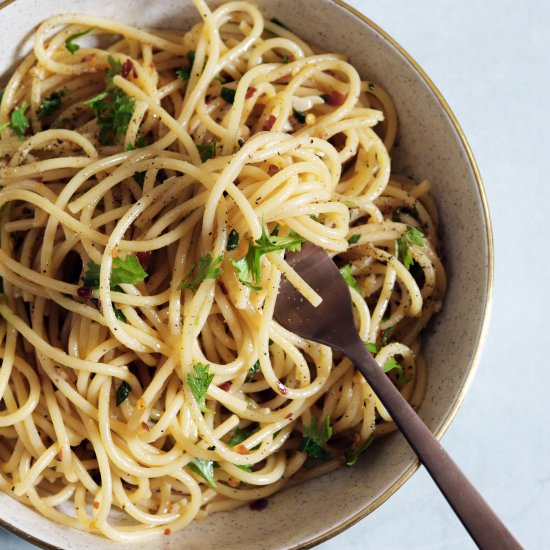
122 392
207 151
386 334
349 278
315 436
199 382
232 240
250 264
127 271
412 236
391 364
298 115
69 44
240 435
351 455
228 94
19 122
207 269
252 371
50 104
184 73
115 66
354 239
119 314
372 347
205 469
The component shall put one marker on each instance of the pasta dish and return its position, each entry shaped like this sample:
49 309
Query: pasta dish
151 183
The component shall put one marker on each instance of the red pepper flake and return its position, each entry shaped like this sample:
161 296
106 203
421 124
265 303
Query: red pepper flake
336 98
250 92
145 426
282 388
144 258
288 416
273 169
259 505
95 504
167 531
242 450
127 68
270 122
60 454
226 386
208 99
84 292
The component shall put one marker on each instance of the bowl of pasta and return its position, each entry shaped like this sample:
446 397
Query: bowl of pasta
157 160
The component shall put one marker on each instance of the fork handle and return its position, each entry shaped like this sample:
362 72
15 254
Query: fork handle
483 525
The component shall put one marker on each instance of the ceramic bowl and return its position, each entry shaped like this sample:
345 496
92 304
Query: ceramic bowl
431 145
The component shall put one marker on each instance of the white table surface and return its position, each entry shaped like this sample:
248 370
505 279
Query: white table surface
490 59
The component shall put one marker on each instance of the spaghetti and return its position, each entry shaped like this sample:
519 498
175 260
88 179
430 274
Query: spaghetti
150 185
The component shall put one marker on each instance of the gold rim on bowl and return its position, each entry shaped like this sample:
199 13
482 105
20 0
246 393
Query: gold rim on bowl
482 333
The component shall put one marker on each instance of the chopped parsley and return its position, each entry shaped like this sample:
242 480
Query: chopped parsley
252 371
372 347
349 278
127 271
228 94
412 236
250 264
240 435
392 364
69 43
205 469
351 455
298 115
207 268
199 381
354 239
122 392
19 122
232 240
119 314
315 436
184 73
207 151
51 103
386 334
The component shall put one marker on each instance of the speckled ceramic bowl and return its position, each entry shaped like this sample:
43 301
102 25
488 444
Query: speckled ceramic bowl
431 145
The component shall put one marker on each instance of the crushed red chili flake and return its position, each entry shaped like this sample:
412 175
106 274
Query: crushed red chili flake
250 92
273 169
282 388
144 258
145 426
127 68
95 504
242 450
288 416
226 386
208 99
259 505
270 122
336 98
168 531
84 292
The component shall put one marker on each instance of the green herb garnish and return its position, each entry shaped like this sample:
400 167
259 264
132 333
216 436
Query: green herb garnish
127 271
207 268
354 239
412 236
372 347
50 104
250 264
199 381
349 278
352 455
386 334
252 371
122 392
69 43
19 122
228 94
207 151
315 436
205 469
184 73
232 240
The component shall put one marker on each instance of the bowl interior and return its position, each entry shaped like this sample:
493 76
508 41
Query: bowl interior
430 146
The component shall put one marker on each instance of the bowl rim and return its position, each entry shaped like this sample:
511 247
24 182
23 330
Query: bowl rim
482 336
